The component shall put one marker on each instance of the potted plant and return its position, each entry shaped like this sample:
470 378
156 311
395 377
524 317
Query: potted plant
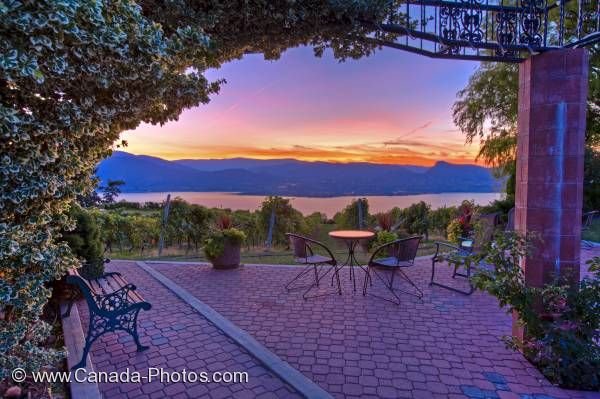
223 245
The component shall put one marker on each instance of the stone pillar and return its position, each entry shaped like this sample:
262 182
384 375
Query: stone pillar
550 153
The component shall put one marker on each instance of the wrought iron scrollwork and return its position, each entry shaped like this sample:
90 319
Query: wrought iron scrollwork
493 30
450 28
471 19
506 32
532 15
115 301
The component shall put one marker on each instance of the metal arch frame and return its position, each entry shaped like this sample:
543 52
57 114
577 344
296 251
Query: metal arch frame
486 30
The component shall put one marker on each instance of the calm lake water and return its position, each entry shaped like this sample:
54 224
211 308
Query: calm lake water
308 205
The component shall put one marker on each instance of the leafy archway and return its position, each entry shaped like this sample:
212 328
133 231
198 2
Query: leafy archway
74 74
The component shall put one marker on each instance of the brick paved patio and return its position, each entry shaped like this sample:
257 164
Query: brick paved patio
445 346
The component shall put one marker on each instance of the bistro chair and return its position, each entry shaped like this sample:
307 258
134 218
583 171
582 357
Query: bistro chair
317 266
459 253
392 258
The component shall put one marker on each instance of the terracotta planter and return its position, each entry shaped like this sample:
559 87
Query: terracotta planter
230 258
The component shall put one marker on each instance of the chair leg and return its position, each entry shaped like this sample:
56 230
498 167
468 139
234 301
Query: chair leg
289 286
316 284
388 284
420 293
464 292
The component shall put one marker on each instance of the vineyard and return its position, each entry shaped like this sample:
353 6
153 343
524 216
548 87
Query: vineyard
129 230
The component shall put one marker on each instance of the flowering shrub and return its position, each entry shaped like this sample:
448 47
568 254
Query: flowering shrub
561 323
385 221
465 214
224 221
462 225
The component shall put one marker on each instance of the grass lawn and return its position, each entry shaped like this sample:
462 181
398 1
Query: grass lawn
273 256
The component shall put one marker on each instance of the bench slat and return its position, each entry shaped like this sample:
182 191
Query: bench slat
113 283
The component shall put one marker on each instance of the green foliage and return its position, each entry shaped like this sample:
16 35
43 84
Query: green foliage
487 109
383 237
462 225
111 191
75 74
440 218
561 322
287 219
415 219
187 223
314 223
85 242
250 224
591 180
349 217
454 231
215 242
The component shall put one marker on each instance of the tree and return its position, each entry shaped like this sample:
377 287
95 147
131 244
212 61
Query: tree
287 219
349 217
415 219
249 223
198 217
111 190
487 109
85 242
440 218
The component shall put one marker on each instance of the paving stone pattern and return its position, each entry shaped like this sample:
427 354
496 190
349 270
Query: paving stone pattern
445 346
179 338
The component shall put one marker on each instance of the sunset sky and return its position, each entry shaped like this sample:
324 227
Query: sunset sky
393 107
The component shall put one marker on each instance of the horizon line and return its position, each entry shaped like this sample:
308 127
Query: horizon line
304 160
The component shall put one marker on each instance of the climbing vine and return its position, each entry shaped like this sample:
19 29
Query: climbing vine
76 73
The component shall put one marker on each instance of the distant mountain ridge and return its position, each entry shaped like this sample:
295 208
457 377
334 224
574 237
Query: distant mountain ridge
291 177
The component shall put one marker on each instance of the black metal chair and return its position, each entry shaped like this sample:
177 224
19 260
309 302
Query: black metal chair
400 254
455 254
305 253
458 254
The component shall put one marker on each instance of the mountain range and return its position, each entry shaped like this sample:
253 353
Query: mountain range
291 177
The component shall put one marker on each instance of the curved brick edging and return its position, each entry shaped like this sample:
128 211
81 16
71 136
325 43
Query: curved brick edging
74 341
282 369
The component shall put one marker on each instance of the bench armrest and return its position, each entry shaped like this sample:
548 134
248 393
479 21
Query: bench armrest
117 300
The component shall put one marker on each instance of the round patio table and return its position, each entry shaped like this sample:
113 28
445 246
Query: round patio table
352 239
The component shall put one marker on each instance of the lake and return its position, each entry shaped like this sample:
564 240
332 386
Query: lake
308 205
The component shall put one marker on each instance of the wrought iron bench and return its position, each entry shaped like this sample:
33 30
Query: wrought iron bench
113 305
